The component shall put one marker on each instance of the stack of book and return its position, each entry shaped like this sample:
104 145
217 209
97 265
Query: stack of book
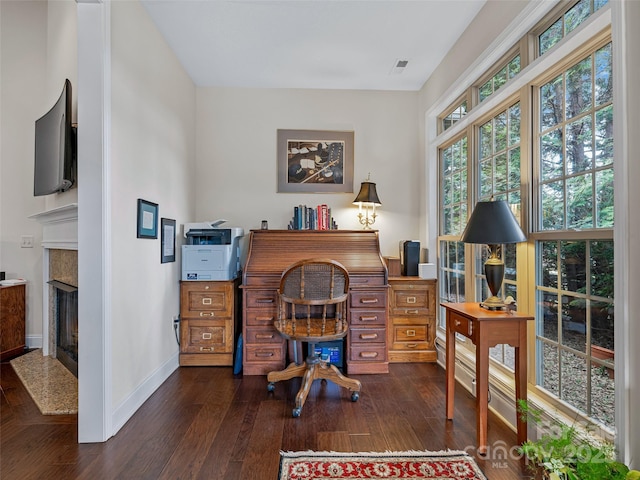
310 218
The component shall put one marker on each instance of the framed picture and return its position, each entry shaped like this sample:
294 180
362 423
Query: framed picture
315 161
168 240
147 219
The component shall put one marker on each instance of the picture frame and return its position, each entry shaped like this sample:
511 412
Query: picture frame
168 240
147 219
315 161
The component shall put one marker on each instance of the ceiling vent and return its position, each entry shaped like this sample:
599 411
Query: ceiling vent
399 66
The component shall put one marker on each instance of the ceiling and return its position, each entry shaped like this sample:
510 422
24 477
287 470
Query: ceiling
332 44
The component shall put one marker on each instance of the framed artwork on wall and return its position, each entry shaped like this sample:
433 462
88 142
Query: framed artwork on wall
315 161
147 219
168 240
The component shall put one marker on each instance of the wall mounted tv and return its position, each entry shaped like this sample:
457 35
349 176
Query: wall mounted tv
56 144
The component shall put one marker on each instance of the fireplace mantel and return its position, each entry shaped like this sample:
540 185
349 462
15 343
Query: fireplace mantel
59 227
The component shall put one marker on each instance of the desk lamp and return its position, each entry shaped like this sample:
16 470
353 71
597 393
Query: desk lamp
492 223
367 197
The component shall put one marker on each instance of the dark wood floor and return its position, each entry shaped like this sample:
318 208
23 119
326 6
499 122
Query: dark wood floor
204 423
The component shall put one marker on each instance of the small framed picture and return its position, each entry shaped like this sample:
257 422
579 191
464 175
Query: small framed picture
147 219
168 240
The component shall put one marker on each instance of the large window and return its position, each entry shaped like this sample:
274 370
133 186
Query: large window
574 250
548 151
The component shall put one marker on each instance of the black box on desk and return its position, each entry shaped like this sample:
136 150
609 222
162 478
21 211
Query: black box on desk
332 350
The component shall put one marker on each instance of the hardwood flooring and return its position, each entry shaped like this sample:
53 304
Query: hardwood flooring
206 423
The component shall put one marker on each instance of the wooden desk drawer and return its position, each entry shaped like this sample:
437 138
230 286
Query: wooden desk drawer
261 298
206 299
264 353
262 336
368 299
260 316
367 335
461 325
361 317
368 353
410 333
202 336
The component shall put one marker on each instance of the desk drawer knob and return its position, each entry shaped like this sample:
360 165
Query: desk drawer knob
371 318
457 323
264 354
368 336
368 301
206 301
264 336
412 345
412 312
411 299
264 300
206 349
206 336
265 319
207 314
411 333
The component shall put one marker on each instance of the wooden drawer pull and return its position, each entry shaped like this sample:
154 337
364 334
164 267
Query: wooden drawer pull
264 300
265 319
206 349
457 323
207 314
206 336
368 301
412 345
264 354
412 312
369 354
206 301
368 336
369 319
264 336
411 299
411 333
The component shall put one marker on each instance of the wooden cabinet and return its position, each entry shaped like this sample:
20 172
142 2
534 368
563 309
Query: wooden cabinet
12 320
209 314
412 320
271 252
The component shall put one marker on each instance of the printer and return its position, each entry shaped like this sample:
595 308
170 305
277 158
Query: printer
211 252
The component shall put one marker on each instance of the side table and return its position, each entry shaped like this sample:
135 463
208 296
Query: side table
486 328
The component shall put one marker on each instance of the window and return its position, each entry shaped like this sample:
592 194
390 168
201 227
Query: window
510 70
499 178
567 22
456 114
574 250
453 176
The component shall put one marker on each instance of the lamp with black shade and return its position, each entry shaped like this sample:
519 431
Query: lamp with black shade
492 223
367 198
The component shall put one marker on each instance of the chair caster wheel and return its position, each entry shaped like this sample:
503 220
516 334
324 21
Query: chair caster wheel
296 412
355 396
271 387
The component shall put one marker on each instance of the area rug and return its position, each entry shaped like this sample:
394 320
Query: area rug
378 466
52 387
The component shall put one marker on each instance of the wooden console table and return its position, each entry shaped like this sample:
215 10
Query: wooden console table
486 329
271 251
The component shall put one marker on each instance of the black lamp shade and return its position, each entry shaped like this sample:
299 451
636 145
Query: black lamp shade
368 194
492 223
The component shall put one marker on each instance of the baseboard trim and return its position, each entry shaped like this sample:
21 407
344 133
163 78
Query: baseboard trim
123 412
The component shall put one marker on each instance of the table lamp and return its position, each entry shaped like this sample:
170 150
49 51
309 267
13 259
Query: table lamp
493 224
367 197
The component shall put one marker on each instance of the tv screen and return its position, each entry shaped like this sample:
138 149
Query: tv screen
55 152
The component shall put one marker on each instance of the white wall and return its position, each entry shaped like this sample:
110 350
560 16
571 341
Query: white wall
236 152
39 51
152 157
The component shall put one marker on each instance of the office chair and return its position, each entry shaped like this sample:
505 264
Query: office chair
312 308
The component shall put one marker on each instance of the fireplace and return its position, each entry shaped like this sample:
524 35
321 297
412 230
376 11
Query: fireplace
65 319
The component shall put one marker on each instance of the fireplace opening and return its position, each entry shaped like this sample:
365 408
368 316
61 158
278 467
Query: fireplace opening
66 324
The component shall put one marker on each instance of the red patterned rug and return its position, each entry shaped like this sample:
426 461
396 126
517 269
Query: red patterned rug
378 466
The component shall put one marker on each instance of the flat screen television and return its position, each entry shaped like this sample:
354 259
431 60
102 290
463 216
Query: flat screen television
55 153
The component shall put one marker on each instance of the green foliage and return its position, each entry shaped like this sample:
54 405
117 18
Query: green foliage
565 455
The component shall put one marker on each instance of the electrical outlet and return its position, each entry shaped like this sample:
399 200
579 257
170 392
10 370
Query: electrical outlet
26 241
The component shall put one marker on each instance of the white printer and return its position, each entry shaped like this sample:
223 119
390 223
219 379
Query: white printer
211 252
